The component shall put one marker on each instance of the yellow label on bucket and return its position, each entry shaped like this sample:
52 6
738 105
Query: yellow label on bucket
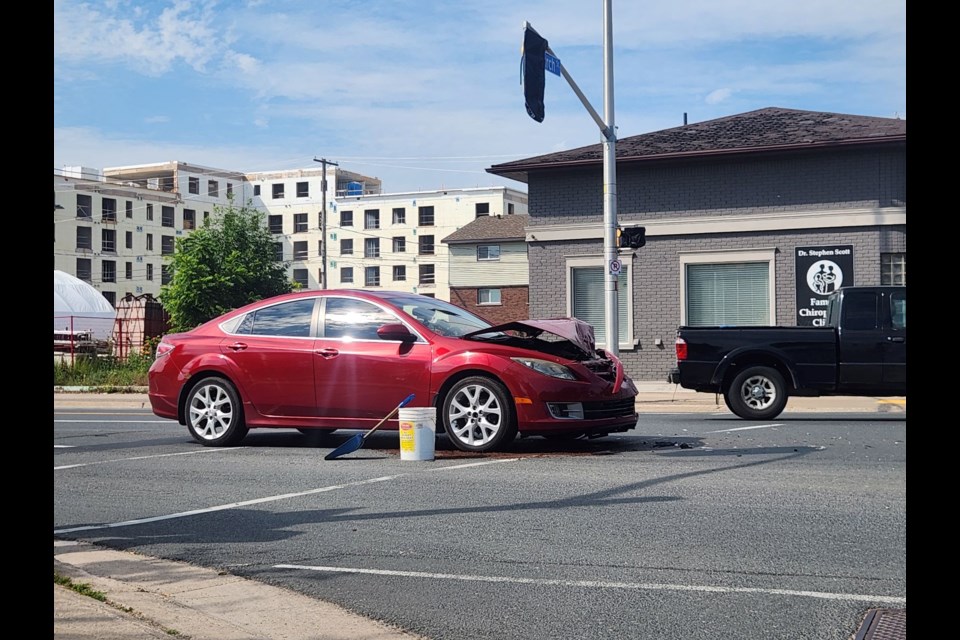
408 439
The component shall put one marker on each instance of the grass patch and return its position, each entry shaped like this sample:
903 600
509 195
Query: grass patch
80 587
91 370
86 590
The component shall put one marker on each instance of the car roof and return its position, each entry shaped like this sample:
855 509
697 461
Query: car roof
359 293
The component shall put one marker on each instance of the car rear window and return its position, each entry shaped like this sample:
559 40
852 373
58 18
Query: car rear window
289 319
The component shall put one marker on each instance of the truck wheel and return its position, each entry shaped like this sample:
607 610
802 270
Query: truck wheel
757 393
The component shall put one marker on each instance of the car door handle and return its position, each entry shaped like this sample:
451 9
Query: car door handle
238 346
327 353
896 339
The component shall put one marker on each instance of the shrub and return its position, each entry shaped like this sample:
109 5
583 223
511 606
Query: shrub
90 370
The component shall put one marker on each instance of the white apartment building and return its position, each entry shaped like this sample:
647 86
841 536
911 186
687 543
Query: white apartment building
393 241
114 227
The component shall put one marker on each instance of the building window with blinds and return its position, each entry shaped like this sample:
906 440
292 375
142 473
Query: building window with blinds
728 294
734 289
587 300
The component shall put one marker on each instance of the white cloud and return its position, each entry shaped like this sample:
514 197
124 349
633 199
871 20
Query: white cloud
183 31
248 84
718 96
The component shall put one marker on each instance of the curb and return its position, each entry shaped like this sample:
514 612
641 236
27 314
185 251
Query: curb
648 401
108 389
148 597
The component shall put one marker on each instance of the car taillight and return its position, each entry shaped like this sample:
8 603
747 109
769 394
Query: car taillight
681 345
163 349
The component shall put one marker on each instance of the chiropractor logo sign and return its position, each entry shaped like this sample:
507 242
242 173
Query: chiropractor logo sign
820 272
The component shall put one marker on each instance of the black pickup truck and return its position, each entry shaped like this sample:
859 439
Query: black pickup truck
860 351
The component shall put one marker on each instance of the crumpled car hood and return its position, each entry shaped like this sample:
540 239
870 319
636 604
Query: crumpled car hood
577 340
578 332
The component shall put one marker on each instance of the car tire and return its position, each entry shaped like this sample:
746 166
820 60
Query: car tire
478 414
214 413
757 393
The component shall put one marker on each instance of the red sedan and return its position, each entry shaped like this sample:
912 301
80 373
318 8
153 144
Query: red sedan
344 359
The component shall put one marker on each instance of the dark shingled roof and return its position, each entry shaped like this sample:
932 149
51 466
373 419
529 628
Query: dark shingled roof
508 227
770 129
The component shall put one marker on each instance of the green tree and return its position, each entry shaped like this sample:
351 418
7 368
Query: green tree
225 264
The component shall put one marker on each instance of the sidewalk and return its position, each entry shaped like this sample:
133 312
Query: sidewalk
654 397
148 598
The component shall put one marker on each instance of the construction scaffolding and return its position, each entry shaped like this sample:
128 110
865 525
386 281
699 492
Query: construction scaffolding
139 319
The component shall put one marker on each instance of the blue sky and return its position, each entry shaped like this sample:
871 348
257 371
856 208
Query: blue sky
426 94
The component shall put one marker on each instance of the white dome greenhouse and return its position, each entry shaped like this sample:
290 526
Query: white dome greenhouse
79 308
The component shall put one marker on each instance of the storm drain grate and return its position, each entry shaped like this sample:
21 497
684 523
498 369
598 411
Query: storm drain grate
884 624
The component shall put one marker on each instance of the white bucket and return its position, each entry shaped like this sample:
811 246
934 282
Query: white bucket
418 433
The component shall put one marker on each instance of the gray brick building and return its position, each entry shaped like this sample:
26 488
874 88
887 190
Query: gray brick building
739 214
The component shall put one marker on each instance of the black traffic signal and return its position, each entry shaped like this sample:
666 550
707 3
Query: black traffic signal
631 237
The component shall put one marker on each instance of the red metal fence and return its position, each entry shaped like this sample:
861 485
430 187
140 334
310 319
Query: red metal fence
139 319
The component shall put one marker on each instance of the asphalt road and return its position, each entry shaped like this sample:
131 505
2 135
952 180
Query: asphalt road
693 526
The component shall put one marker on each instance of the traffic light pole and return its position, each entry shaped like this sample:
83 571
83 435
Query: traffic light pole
611 262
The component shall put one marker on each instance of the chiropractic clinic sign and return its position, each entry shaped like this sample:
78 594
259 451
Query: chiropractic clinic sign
820 272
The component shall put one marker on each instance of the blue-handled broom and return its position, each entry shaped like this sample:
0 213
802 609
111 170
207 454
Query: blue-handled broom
357 441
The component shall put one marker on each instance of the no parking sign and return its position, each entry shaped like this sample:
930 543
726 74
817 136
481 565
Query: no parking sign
615 267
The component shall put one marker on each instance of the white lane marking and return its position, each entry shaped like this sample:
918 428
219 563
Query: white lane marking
475 464
64 446
234 505
596 584
159 455
759 426
818 448
224 507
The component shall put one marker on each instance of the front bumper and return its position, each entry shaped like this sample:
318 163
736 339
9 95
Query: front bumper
602 411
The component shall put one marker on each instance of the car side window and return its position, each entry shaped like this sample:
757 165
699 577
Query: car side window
356 319
898 310
289 319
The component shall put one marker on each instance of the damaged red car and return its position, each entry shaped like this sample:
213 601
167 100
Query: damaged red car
333 359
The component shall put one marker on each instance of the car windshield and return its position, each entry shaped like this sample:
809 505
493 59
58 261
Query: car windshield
439 316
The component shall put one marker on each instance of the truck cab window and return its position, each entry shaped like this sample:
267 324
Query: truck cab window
860 311
898 310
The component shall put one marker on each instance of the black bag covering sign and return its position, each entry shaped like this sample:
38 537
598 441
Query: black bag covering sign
532 72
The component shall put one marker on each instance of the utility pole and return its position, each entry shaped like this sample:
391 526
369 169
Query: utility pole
323 220
610 249
611 262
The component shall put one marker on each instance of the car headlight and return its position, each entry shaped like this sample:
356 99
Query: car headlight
546 367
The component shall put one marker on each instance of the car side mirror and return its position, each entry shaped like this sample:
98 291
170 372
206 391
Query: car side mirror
396 331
